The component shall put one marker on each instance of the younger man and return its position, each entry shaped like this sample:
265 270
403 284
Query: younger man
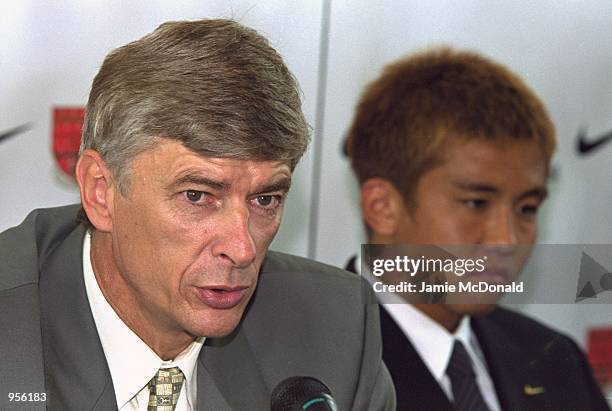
452 148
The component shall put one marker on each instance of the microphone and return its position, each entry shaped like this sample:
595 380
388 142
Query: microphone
302 394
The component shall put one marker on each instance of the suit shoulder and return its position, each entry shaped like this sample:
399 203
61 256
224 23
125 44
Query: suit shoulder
24 248
554 356
277 262
518 321
299 282
529 331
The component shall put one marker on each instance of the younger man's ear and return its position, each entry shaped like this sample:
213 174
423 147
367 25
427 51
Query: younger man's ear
381 206
97 189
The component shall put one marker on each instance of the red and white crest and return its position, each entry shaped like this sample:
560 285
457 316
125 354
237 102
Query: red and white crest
67 128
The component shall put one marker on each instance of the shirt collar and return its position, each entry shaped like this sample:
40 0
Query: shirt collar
132 363
432 341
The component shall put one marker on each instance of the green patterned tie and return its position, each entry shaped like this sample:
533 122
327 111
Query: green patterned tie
164 389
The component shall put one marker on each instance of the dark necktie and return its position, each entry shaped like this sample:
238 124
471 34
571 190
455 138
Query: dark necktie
467 396
164 389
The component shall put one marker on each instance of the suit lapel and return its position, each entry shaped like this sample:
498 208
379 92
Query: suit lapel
76 373
228 377
351 265
516 383
415 387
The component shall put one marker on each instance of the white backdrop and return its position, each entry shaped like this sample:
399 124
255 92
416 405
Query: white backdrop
563 50
49 53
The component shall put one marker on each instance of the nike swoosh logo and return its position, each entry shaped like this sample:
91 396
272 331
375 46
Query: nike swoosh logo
588 145
5 135
529 390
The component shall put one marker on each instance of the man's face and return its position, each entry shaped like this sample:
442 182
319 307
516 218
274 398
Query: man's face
189 237
483 193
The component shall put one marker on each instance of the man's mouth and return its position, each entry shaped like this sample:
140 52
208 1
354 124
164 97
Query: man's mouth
222 297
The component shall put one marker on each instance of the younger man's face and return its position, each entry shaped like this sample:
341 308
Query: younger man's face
482 193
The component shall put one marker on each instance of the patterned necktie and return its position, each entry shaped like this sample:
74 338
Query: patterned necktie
164 389
466 393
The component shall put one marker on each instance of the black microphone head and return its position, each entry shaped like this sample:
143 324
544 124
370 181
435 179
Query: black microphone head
302 394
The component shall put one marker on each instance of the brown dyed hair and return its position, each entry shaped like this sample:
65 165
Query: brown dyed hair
424 101
216 86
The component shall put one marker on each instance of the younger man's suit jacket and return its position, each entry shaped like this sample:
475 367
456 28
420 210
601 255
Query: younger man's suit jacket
532 366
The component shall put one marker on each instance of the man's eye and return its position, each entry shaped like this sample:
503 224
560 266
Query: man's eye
268 201
193 195
476 203
529 210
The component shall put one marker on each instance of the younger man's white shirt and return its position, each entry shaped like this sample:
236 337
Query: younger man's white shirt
131 362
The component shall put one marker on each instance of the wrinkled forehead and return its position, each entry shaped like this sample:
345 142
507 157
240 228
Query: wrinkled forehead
170 161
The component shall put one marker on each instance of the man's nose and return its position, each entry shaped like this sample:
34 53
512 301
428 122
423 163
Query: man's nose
235 242
502 227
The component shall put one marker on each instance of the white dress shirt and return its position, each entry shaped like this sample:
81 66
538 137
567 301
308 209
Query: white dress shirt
434 343
131 362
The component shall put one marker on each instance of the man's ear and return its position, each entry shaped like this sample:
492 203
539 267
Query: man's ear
97 189
381 206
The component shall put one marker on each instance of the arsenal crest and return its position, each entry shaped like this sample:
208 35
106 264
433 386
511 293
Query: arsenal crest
67 128
600 356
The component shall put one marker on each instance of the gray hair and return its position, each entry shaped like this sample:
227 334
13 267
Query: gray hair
216 86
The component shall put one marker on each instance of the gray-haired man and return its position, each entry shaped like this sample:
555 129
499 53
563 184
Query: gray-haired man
149 298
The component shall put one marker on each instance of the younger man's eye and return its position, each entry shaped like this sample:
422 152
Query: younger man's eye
529 210
475 203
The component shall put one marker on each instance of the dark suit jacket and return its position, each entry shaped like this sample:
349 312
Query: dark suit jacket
519 351
304 319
